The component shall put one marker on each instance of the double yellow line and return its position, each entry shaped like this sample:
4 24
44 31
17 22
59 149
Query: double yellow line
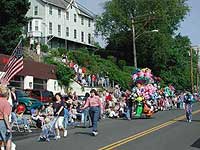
143 133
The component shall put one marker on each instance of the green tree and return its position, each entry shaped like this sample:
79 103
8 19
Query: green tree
63 73
12 19
164 15
164 52
116 25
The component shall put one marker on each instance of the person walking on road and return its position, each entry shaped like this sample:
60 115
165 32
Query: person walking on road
58 106
188 100
94 104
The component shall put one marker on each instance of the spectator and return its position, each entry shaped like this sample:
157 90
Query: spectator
85 113
84 83
14 98
37 118
5 112
49 110
76 68
31 43
64 58
18 117
89 80
38 48
71 64
93 80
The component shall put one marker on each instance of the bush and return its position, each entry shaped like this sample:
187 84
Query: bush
44 48
122 63
95 64
62 51
112 58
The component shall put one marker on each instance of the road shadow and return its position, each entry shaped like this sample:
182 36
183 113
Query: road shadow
196 144
186 120
83 133
142 118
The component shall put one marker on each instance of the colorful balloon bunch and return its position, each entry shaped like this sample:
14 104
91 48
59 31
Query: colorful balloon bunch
169 91
143 76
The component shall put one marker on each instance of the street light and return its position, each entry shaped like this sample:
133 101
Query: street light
145 33
134 39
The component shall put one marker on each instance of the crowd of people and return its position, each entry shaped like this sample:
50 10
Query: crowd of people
66 110
87 79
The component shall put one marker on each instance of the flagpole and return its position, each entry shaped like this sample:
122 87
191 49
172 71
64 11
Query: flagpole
1 75
12 54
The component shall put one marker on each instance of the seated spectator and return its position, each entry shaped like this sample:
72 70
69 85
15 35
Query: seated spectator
37 118
74 112
112 113
18 117
83 82
42 111
49 110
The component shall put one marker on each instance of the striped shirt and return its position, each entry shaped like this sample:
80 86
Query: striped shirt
93 102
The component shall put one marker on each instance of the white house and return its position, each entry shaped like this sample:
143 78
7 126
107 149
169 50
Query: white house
61 23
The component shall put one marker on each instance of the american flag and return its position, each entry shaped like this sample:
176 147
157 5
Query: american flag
14 65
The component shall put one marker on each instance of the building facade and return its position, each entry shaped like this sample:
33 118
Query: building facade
35 75
60 23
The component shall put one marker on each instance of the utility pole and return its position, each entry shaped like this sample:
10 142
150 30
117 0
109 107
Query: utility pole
134 47
191 69
197 83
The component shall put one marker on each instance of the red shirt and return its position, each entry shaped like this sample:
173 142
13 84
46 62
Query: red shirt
108 98
5 108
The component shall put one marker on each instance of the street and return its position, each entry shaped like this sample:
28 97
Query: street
161 132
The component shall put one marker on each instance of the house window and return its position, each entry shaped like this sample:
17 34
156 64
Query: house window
67 15
36 26
59 12
17 82
82 20
75 33
50 27
36 10
89 38
74 17
30 26
59 30
89 22
39 83
50 10
67 31
82 36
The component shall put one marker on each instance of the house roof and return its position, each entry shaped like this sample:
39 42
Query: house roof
84 11
60 3
32 68
64 3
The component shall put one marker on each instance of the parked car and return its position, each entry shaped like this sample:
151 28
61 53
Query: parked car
42 95
28 102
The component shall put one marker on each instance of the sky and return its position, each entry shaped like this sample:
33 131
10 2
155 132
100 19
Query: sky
189 27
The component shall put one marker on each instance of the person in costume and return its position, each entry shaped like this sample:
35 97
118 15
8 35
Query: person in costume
188 100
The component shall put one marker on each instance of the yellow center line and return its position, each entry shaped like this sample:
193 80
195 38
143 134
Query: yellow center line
143 133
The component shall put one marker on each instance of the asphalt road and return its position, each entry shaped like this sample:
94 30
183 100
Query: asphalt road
162 132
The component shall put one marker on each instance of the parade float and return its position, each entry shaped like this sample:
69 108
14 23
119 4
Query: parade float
144 92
